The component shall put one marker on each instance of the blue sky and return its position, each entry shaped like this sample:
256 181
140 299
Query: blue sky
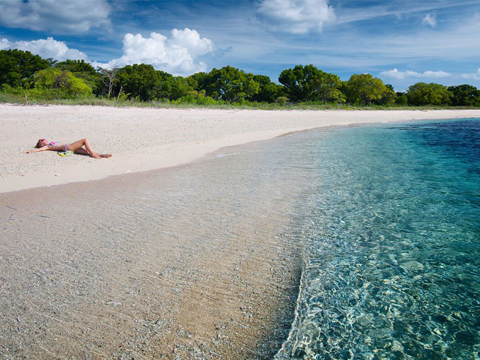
402 42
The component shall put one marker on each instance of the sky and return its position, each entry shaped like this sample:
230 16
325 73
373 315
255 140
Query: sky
400 41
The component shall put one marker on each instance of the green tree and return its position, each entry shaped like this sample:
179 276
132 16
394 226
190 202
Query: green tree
307 83
180 87
298 82
198 81
17 67
389 96
165 86
327 87
465 95
268 91
428 94
174 88
231 85
401 99
61 83
137 81
76 67
364 88
344 89
83 70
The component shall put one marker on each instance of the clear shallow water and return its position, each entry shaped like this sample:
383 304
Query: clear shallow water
392 231
188 262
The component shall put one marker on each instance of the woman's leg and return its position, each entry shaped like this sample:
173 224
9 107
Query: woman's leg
84 142
82 151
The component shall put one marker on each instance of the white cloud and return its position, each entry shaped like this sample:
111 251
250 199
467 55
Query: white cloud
474 76
57 16
413 74
177 55
397 9
49 48
296 16
430 20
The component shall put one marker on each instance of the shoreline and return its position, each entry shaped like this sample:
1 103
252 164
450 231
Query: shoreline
149 139
174 281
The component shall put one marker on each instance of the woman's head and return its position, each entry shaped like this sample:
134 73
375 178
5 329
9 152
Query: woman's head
41 143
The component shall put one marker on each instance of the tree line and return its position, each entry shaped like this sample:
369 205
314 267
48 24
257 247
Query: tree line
25 74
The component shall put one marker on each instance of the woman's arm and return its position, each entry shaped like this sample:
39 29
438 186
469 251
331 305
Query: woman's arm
43 148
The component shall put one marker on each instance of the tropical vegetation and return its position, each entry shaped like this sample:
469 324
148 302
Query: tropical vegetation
29 78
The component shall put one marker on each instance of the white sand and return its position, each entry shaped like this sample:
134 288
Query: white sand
146 139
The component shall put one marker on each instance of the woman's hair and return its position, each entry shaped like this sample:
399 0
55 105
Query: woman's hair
39 145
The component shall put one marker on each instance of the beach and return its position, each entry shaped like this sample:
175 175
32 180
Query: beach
147 139
179 246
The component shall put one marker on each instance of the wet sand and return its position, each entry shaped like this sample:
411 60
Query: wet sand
194 263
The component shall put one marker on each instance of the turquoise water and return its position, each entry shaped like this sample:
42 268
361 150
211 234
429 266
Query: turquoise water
391 226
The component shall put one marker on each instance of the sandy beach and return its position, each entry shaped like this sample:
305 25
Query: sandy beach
147 139
173 259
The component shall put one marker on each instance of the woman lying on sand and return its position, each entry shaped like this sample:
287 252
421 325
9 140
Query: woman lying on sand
77 147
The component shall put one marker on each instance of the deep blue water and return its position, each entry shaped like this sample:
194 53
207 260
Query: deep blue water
391 226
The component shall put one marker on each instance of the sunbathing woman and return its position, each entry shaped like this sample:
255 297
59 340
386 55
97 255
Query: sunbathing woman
76 147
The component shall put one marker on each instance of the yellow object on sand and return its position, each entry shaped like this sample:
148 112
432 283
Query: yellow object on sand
65 153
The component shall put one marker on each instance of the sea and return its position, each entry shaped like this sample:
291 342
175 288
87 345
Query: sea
391 231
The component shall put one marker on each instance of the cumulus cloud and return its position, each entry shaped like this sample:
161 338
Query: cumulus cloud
430 20
474 76
296 16
177 55
57 16
49 48
413 74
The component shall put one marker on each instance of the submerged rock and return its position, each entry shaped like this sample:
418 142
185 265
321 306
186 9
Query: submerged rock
412 266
